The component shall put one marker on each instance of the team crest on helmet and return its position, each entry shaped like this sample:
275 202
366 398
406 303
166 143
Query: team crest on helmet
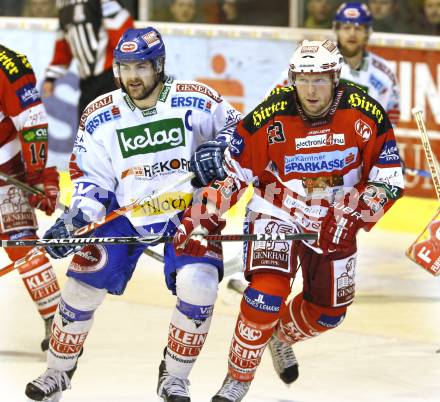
352 13
151 38
128 47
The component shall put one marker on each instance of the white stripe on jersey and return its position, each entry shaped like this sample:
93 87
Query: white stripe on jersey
75 46
116 22
85 43
9 150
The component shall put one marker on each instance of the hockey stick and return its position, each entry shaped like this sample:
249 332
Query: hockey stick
22 186
135 205
432 164
422 252
33 190
230 266
149 239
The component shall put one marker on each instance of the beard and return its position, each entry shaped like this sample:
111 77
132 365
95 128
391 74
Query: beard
141 92
351 50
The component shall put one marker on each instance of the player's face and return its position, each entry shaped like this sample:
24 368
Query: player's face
315 92
352 39
138 78
432 11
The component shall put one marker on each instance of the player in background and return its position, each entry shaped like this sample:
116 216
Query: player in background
23 155
373 74
129 143
88 32
323 158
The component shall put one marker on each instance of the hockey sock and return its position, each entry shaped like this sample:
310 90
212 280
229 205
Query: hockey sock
196 288
72 322
41 282
260 309
303 320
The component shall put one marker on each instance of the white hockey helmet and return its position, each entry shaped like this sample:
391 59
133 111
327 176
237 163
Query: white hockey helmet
312 57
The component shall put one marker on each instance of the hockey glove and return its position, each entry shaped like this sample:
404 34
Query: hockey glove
340 226
207 163
48 181
196 219
63 228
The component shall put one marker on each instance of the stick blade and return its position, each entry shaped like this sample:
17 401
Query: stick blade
425 251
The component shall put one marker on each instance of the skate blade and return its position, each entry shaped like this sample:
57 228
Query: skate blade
54 398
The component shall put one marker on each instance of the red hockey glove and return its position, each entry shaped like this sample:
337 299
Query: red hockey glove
48 181
340 226
196 219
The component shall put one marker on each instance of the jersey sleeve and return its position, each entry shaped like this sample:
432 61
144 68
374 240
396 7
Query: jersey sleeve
382 183
393 106
61 58
21 102
92 175
224 121
211 116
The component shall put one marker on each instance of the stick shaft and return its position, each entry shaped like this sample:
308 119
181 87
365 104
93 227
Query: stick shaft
32 190
130 207
22 186
7 269
77 241
418 115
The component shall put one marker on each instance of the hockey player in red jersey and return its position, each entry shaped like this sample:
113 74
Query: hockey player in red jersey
23 154
352 24
88 32
322 157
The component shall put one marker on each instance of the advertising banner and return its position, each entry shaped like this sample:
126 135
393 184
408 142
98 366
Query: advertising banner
242 65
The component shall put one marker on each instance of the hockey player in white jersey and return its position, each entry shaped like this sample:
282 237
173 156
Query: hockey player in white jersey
130 142
353 26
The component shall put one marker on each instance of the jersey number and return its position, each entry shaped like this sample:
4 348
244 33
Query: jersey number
275 133
38 155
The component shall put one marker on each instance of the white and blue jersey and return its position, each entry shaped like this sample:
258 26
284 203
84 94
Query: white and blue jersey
123 153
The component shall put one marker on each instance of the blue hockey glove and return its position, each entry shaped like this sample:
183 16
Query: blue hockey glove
207 163
63 228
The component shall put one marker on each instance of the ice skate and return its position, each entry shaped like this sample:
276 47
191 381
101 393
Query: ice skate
49 386
170 388
231 390
284 360
238 285
48 328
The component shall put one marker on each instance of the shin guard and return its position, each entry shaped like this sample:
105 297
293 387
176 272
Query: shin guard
261 305
40 280
72 322
303 320
196 294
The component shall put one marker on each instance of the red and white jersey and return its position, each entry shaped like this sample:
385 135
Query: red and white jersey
131 152
88 32
23 119
375 77
297 165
